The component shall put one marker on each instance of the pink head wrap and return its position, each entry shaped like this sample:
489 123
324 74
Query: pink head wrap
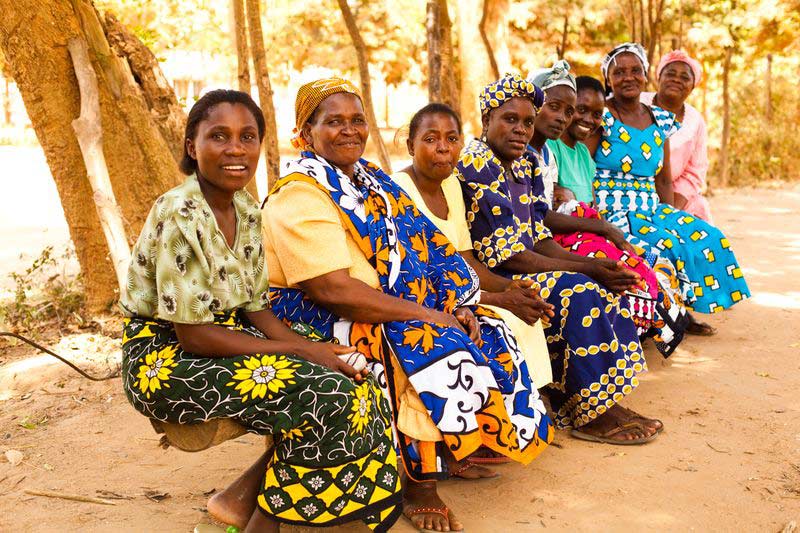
681 56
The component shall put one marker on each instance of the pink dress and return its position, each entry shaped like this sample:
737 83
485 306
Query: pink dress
688 157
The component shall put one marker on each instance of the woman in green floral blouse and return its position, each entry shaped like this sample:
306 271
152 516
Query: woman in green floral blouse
200 343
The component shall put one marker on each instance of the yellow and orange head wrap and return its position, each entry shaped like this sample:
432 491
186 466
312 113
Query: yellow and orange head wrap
309 96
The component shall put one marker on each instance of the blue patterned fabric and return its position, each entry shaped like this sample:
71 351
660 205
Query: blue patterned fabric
475 396
594 349
628 159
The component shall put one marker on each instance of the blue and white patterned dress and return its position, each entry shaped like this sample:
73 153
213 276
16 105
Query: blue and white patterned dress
628 159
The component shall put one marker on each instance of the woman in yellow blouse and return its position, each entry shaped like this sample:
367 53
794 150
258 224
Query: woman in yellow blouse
352 258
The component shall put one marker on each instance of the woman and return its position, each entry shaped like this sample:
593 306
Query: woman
358 262
595 353
633 187
678 74
434 142
585 233
199 343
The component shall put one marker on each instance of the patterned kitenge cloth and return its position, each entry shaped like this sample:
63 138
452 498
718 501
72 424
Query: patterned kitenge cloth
594 350
655 308
628 159
333 460
475 396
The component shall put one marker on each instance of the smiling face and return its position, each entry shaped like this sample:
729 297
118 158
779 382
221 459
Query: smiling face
676 81
557 112
226 147
338 130
436 146
588 114
627 76
509 128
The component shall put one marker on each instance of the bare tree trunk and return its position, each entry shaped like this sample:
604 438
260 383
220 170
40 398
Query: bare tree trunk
366 86
90 138
768 106
7 101
441 73
240 40
724 162
476 70
562 50
679 44
273 153
494 32
33 39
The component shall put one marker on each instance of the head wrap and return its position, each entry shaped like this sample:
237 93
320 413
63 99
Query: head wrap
558 74
680 56
310 95
509 86
624 48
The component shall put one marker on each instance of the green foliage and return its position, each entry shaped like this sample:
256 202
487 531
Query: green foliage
43 293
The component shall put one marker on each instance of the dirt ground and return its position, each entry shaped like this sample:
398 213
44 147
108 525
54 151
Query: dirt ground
728 460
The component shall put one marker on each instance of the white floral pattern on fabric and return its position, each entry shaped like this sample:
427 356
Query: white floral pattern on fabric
183 269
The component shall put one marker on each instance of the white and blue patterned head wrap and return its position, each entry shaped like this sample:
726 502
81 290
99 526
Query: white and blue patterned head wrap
558 74
624 48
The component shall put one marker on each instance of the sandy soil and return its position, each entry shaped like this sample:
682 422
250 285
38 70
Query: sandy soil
729 459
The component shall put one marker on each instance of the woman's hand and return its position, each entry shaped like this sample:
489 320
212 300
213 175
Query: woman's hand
470 323
613 275
327 355
523 299
615 235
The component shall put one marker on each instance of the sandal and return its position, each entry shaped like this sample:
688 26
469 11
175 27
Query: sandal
606 437
492 457
633 416
466 465
410 513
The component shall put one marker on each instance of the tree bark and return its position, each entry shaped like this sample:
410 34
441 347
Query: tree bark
724 162
442 85
242 50
7 101
494 33
90 138
33 39
366 86
264 86
476 70
562 50
159 95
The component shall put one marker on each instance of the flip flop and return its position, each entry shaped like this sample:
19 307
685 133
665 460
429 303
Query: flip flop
605 438
442 511
634 416
209 528
466 466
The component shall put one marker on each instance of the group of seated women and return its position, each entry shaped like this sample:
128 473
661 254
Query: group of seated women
393 331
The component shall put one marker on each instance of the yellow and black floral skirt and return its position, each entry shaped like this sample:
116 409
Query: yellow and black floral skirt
333 459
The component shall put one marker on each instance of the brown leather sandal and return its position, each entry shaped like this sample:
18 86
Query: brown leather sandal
633 416
410 513
606 436
466 465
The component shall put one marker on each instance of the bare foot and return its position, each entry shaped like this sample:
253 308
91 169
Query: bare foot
422 505
237 503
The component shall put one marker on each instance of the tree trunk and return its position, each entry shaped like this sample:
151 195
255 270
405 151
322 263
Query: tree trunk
33 39
366 89
242 50
7 101
441 72
476 70
562 50
159 95
264 86
724 163
768 106
494 32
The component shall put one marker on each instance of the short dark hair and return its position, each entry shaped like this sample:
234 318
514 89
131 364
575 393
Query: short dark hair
588 82
200 111
431 109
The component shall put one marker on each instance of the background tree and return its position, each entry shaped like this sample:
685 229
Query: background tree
242 49
442 86
366 84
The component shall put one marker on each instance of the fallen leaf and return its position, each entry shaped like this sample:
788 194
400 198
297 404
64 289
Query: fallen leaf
14 457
